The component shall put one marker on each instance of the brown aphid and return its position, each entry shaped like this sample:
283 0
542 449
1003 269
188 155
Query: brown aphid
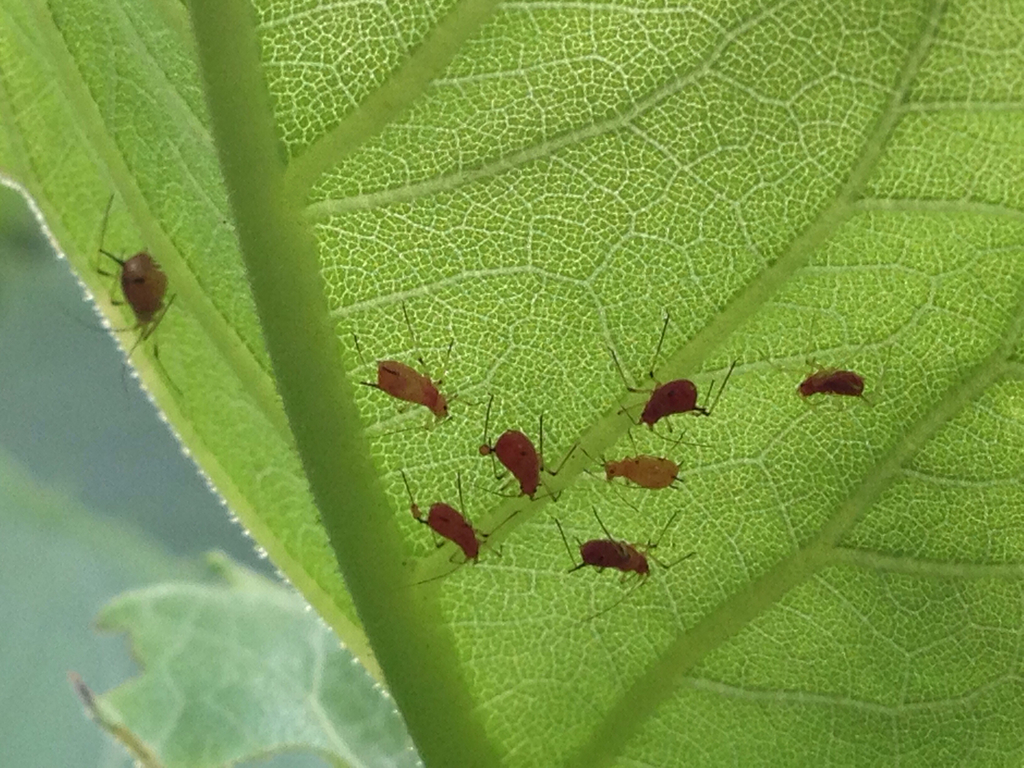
646 471
448 523
832 381
609 553
516 453
143 285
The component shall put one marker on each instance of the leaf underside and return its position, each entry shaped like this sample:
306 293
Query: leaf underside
239 668
791 182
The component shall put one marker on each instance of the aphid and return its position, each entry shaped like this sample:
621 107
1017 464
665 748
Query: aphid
620 555
645 471
448 522
406 383
143 285
832 381
516 453
678 396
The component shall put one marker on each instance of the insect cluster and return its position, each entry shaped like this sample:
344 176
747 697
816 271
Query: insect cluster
516 453
144 285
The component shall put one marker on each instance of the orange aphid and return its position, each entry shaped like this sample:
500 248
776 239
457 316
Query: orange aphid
645 471
405 383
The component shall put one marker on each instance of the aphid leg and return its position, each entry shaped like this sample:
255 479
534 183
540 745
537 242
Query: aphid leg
576 566
657 350
565 458
674 563
680 441
657 541
412 502
540 442
607 535
103 234
444 367
412 337
639 582
462 502
439 576
622 374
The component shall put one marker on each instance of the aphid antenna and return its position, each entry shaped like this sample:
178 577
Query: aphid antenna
487 440
708 411
657 541
359 350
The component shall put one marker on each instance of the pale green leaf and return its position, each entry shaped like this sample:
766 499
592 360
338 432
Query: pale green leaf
241 669
541 181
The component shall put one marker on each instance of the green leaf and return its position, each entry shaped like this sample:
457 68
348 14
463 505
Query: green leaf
540 182
241 669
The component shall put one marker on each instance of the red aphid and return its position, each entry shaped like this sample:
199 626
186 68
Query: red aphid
405 383
516 453
832 381
620 555
646 471
678 396
609 553
448 523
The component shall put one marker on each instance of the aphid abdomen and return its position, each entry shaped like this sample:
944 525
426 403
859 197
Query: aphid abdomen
516 453
144 285
832 381
677 396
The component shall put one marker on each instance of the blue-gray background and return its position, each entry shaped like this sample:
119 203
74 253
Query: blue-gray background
74 436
